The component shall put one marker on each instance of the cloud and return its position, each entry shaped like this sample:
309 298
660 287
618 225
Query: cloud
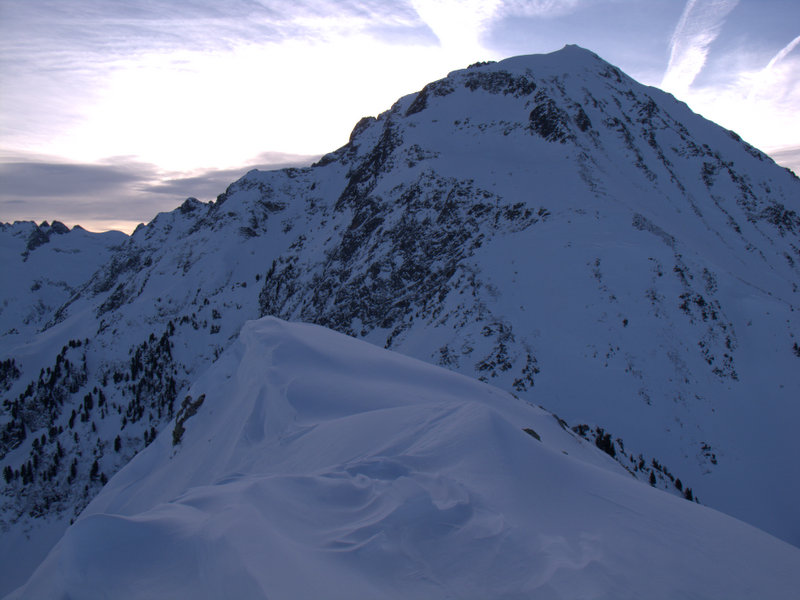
783 53
697 29
208 183
788 157
60 32
463 26
117 194
541 8
95 196
774 70
210 81
758 97
24 180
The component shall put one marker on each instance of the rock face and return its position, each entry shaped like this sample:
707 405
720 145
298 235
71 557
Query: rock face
544 223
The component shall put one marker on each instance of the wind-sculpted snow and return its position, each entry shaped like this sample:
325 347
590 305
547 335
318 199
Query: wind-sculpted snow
321 466
543 223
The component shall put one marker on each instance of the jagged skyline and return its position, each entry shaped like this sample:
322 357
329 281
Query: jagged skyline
112 112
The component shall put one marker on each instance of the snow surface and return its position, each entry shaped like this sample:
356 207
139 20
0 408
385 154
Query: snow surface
321 466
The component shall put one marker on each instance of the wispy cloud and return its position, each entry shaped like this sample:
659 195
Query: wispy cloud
764 78
201 82
60 32
461 25
541 8
697 29
758 98
458 24
783 52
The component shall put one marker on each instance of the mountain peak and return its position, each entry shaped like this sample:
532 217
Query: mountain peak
571 59
570 55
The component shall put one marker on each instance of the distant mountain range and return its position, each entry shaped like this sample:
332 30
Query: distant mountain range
544 224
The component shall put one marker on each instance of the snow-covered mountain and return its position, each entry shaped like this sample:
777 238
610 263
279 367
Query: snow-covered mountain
42 267
307 464
544 223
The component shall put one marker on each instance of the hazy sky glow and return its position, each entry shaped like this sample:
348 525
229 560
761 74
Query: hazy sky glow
111 111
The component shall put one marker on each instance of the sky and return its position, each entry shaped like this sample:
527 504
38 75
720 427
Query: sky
112 111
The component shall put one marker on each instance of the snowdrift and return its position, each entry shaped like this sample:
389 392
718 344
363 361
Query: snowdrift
306 464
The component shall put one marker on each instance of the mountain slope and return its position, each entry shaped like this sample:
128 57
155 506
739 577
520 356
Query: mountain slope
318 465
544 223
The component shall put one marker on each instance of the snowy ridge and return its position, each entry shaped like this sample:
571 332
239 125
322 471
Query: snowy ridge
318 465
543 223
